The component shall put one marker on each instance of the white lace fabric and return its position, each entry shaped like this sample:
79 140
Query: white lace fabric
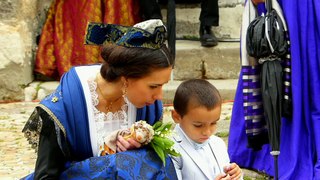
107 122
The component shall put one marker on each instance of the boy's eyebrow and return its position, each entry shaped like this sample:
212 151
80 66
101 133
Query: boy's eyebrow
195 121
198 122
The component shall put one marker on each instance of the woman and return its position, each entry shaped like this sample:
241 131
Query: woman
300 135
92 101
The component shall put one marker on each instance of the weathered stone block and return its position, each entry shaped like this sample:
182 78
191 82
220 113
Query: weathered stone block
187 22
195 61
16 49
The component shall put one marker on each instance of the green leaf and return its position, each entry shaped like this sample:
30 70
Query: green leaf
172 152
167 128
159 152
158 142
157 125
163 127
163 140
162 145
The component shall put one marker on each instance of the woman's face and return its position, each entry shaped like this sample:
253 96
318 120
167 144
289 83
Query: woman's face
145 91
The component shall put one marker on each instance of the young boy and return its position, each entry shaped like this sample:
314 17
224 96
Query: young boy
197 108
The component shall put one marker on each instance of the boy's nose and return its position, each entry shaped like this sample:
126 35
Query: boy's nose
207 132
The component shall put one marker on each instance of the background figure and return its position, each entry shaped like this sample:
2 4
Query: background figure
300 135
61 43
209 17
69 126
197 109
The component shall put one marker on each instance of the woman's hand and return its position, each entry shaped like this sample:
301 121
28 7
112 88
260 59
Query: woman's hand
233 170
124 145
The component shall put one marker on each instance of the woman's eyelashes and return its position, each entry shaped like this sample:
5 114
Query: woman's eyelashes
154 86
214 123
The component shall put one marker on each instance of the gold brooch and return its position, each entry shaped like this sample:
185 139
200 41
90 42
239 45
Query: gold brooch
54 99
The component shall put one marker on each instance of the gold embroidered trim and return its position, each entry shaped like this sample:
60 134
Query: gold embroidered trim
50 113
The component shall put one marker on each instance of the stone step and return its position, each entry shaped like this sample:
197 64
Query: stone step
195 61
187 20
38 90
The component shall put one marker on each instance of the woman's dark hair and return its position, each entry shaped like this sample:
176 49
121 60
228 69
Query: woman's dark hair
195 93
133 62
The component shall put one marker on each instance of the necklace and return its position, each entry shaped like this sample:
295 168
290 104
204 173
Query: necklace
108 107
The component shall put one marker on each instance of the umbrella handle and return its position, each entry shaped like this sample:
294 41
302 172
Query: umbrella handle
275 155
267 31
276 173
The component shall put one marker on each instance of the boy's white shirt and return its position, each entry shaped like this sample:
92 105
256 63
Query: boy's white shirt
191 165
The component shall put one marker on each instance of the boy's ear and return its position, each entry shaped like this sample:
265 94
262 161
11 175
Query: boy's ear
175 116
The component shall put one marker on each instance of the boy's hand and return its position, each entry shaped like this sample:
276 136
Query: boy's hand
124 145
223 177
233 170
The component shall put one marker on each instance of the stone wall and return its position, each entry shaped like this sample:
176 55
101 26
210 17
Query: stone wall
20 22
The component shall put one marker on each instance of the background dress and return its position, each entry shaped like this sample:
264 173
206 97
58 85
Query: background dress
300 135
62 39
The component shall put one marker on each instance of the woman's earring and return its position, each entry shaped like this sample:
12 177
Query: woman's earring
124 90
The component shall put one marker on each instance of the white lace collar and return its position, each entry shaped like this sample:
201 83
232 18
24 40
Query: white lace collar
106 123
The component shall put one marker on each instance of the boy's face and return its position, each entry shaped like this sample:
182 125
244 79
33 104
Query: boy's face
199 123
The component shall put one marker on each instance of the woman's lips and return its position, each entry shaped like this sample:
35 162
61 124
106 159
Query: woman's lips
148 103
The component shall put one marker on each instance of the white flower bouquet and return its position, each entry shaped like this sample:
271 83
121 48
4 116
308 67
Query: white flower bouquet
157 136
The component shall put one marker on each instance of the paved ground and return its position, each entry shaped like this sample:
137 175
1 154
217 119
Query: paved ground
17 159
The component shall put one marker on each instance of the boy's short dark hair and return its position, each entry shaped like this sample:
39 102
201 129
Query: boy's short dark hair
195 93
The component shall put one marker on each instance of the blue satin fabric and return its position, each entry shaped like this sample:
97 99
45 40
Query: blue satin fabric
134 164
